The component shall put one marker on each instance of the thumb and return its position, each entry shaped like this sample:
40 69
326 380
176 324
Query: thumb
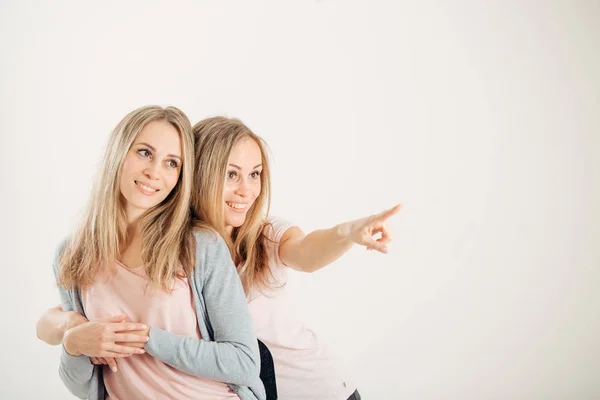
376 244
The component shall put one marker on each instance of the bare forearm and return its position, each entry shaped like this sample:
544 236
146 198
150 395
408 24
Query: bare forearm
320 248
52 325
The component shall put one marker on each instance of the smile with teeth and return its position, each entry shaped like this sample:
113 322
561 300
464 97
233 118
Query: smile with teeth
145 189
237 206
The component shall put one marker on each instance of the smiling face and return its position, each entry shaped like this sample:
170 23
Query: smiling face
242 182
151 168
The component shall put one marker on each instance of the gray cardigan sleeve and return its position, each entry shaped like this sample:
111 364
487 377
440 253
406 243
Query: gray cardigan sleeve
75 372
232 355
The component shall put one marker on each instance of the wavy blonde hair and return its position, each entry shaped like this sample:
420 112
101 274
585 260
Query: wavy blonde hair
215 138
167 243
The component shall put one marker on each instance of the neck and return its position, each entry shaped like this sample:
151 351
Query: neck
134 226
133 216
130 251
134 229
229 229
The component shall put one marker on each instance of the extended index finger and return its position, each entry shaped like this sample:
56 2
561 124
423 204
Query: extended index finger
389 212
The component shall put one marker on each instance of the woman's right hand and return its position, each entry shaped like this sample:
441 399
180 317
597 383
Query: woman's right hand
107 337
110 361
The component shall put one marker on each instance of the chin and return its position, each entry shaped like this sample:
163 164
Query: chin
146 205
237 221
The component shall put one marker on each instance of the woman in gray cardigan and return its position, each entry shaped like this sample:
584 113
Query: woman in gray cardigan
137 251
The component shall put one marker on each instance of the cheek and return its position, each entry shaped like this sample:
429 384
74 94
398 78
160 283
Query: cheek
171 179
125 171
126 167
228 189
131 167
256 191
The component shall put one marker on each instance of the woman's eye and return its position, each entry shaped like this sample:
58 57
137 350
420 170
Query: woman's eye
255 174
172 163
143 152
231 174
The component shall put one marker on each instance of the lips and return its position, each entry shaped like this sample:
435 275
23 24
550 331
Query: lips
237 207
145 188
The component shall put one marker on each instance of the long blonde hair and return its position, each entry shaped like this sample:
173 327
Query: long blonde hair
165 228
215 138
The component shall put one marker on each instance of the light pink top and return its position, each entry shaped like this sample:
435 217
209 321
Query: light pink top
303 368
143 376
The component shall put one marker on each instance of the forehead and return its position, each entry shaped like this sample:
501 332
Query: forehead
246 153
162 136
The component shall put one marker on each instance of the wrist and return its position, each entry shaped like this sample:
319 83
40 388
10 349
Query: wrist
73 320
342 231
69 345
68 322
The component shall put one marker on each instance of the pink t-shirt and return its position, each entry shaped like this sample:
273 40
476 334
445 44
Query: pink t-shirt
303 368
144 376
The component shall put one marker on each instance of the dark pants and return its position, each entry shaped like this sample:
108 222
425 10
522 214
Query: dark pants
267 371
267 374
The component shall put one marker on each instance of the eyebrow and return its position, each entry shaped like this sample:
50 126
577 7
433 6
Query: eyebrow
153 149
238 167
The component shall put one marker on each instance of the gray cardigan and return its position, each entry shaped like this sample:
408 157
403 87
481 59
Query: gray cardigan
228 351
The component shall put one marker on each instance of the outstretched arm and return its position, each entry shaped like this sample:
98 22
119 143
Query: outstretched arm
319 248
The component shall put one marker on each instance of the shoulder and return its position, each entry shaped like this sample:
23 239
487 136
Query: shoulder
207 237
59 250
62 244
58 254
275 227
211 250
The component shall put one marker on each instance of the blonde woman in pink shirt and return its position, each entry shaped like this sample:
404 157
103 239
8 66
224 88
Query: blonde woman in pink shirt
264 249
138 256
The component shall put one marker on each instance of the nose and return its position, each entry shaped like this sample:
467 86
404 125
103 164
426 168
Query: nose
243 188
151 170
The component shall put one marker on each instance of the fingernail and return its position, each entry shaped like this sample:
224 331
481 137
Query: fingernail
114 369
141 351
146 338
144 326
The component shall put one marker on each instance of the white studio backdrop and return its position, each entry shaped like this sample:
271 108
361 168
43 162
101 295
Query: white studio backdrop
481 117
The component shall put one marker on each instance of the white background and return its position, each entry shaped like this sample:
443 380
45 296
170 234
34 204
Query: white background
482 118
